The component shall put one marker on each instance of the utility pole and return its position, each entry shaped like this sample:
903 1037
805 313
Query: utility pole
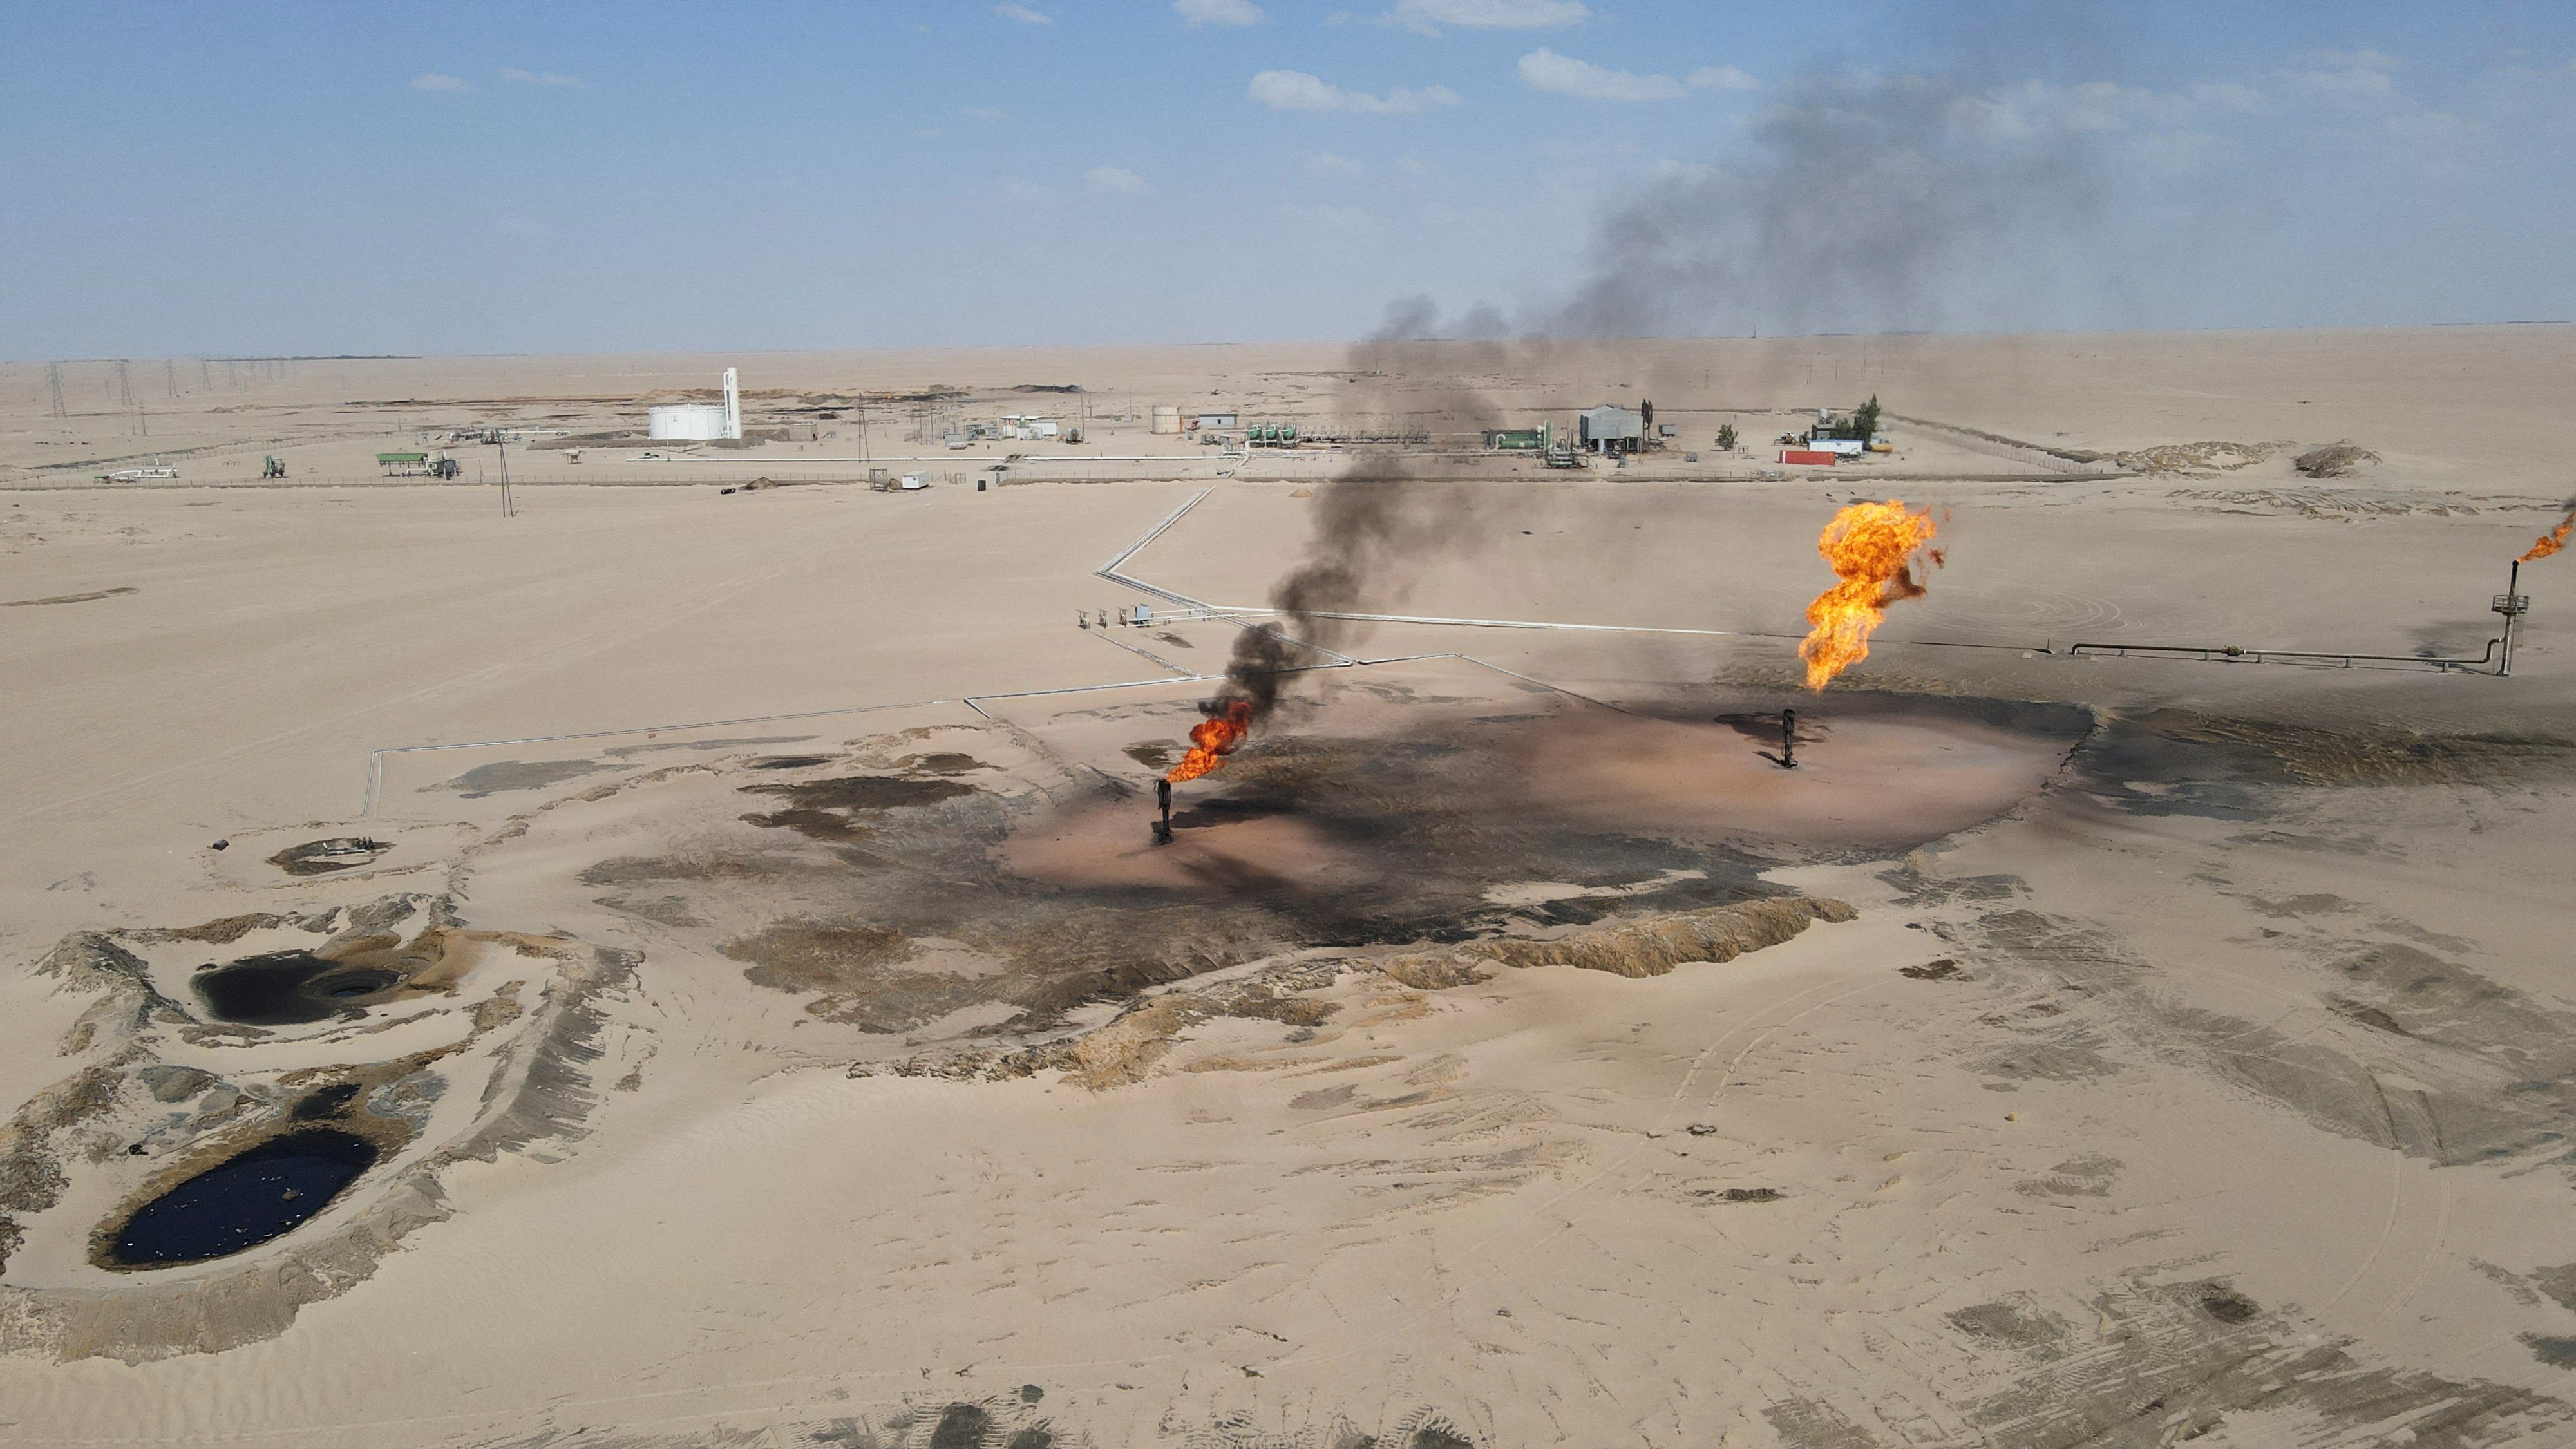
170 373
508 510
205 376
54 385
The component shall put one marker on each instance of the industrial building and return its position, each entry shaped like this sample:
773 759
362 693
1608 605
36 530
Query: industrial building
700 422
1608 429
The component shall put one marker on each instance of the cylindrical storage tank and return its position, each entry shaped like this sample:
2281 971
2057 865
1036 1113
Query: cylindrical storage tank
687 422
1167 420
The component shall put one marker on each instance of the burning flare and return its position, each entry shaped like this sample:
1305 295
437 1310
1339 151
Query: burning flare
2552 541
1871 547
1213 738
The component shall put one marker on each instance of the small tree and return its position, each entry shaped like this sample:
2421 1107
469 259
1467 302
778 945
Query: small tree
1865 420
1726 438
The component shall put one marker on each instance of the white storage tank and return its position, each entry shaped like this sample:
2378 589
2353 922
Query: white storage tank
699 422
688 422
1167 419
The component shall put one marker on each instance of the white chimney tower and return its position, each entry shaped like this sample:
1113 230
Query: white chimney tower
732 406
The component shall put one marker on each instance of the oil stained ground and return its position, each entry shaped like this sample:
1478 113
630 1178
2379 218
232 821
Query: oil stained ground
888 861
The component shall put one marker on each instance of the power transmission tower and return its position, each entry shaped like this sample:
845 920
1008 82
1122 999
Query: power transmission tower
170 373
205 376
54 384
124 384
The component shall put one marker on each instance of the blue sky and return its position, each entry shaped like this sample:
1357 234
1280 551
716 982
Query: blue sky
300 178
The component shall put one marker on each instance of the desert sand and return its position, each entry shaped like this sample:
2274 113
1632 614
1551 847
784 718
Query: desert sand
720 928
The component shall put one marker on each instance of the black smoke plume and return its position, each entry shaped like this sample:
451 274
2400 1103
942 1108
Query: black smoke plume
1862 203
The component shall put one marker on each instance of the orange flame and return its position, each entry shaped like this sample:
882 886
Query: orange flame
1212 739
1871 547
2552 541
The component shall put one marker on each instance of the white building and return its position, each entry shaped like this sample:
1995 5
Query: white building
700 422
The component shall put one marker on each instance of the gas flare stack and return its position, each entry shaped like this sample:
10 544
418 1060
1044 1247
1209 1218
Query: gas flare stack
2513 604
1163 798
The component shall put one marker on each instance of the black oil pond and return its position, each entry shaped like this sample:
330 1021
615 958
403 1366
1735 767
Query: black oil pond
288 988
865 792
328 1102
264 1193
326 857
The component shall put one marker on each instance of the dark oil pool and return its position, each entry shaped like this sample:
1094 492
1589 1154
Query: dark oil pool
261 1194
288 988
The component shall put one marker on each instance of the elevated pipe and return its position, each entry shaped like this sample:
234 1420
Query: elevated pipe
2512 604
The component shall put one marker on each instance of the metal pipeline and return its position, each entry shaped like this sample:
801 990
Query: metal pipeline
2497 656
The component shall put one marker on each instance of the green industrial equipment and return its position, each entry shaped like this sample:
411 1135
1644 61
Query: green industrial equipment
415 465
270 467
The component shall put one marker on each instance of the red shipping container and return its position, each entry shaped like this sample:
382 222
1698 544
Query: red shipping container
1807 455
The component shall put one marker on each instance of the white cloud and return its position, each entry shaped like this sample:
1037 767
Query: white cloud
1294 90
1219 12
2034 108
2348 75
1668 169
1325 163
1023 14
1342 220
1409 166
1117 179
985 113
436 82
1723 77
1425 17
538 77
1563 75
1029 191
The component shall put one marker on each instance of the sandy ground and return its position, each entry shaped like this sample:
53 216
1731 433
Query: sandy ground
824 1057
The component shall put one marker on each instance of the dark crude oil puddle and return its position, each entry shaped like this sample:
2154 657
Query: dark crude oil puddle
289 988
324 857
262 1194
865 792
827 809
